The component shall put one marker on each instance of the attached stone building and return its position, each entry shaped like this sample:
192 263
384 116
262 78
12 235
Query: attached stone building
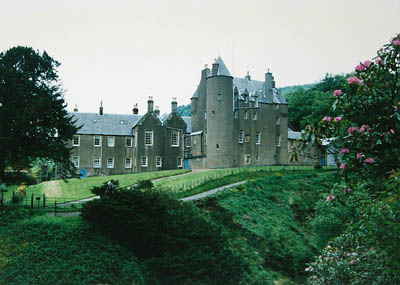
237 121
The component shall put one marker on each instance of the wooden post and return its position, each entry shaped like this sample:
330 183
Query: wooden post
32 201
44 200
55 207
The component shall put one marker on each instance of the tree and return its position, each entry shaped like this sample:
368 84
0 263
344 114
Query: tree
33 119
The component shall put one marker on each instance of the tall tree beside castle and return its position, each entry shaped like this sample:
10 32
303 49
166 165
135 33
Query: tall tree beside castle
33 119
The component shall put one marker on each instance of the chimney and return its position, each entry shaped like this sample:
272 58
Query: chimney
101 108
214 70
156 111
269 85
135 109
76 108
150 104
205 72
174 106
248 76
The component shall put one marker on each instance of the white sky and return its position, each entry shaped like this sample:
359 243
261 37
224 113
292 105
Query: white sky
123 51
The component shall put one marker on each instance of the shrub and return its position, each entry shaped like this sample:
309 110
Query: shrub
178 243
108 188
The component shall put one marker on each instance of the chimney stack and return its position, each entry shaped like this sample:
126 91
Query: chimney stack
150 104
135 109
214 69
174 106
101 108
248 76
156 111
76 108
269 85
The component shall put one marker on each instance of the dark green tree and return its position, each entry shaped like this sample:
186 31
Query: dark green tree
33 119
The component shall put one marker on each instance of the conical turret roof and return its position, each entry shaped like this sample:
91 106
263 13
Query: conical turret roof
222 70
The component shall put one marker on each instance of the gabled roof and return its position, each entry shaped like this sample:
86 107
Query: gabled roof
107 124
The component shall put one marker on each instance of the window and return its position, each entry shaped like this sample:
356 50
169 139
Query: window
247 159
158 161
175 138
256 102
246 99
148 138
278 121
276 107
258 137
96 162
75 161
128 162
128 142
75 141
205 115
219 97
217 146
179 162
246 115
235 114
213 113
97 141
241 136
188 141
110 162
278 141
257 158
254 116
111 141
247 139
143 162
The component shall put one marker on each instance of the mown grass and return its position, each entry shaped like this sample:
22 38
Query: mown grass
51 250
268 222
76 189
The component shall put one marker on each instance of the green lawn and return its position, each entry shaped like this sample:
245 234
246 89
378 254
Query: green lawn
76 189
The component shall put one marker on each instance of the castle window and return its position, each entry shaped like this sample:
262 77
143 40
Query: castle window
96 162
188 142
158 161
247 159
111 141
75 141
257 158
278 121
128 162
256 102
258 137
254 116
247 139
110 162
235 114
128 142
246 115
217 146
97 141
213 113
143 161
241 136
219 97
278 143
205 115
246 99
276 107
148 138
75 161
175 138
179 162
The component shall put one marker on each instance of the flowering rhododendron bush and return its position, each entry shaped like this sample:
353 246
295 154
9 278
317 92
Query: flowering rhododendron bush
366 138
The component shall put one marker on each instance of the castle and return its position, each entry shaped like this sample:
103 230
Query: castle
236 122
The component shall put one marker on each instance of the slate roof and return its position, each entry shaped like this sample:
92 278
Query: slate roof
254 87
113 124
107 124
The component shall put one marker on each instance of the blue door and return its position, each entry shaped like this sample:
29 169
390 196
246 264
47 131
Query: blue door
187 164
82 173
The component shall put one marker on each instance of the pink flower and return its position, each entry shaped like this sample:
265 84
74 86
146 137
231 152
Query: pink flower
367 63
337 119
342 166
369 160
396 42
337 92
308 127
352 261
347 190
328 119
392 131
330 198
351 129
359 155
360 67
344 150
354 80
378 60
